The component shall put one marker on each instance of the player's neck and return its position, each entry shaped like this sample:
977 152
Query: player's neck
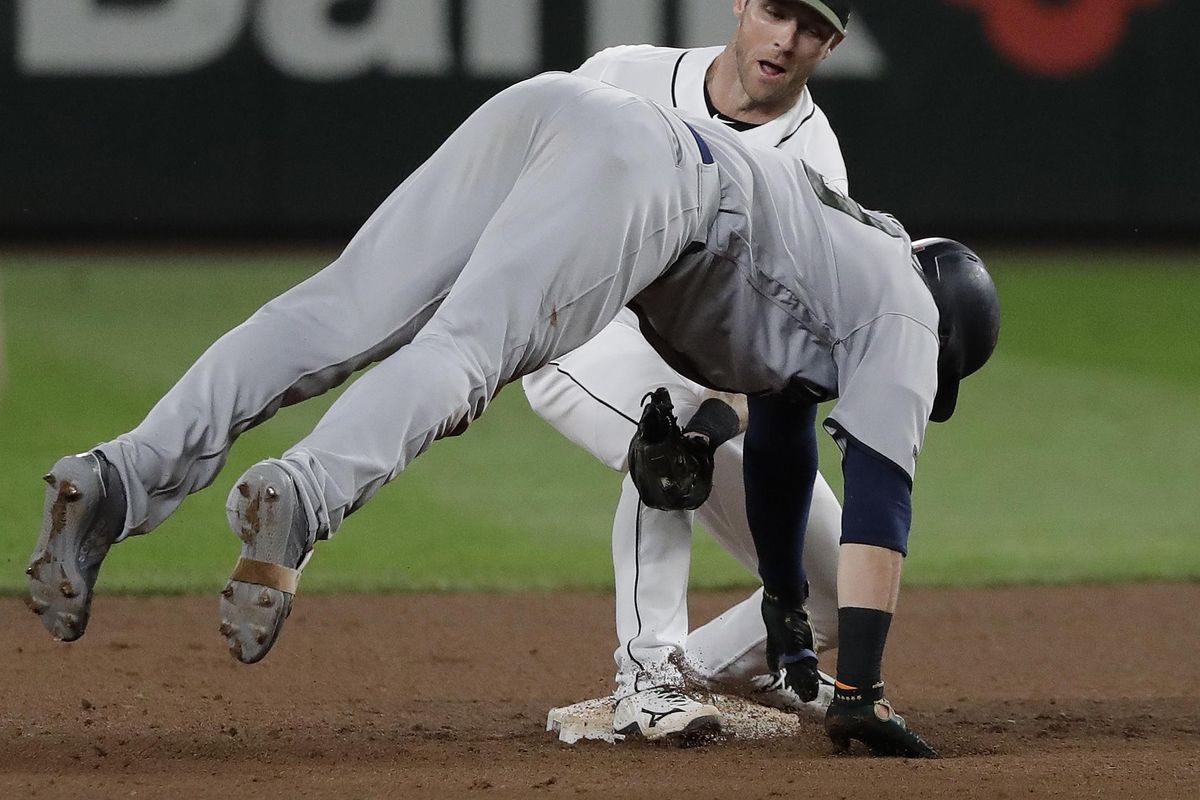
728 96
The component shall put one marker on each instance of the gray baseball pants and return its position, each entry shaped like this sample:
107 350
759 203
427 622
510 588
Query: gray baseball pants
516 242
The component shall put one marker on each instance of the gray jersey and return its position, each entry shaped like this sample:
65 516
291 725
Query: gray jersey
817 296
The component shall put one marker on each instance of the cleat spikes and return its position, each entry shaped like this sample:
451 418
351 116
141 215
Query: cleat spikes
227 592
35 605
264 511
227 630
83 515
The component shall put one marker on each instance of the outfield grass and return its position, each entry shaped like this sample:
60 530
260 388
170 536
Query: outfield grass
1074 455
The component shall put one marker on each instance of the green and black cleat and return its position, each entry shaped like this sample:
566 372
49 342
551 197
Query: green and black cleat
877 725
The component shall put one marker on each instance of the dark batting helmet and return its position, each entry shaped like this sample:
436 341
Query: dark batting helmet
969 312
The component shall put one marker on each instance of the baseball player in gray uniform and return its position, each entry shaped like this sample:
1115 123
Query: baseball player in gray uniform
757 86
557 203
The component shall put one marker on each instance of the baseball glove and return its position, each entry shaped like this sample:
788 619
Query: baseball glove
672 471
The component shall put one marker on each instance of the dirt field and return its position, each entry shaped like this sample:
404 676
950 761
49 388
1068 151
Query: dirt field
1084 692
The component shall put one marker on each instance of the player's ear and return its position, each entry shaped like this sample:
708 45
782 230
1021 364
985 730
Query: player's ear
739 7
837 39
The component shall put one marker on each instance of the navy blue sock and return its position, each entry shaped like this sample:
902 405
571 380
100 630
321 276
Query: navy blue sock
862 633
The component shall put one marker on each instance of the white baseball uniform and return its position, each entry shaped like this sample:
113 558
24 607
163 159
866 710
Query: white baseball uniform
593 395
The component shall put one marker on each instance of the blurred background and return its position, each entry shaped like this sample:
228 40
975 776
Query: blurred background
168 165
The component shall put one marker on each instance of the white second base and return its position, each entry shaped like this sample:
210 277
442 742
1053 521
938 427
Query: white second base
742 718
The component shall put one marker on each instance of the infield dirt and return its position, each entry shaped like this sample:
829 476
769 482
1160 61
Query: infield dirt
1047 692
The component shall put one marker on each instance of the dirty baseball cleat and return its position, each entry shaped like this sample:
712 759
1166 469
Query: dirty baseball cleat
771 689
790 648
877 725
83 515
265 512
666 713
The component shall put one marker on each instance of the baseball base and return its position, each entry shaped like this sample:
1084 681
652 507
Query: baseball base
742 718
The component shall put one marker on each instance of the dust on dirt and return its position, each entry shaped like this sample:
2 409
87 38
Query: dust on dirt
1048 692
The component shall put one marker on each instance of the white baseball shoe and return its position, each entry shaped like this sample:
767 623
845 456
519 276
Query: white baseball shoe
772 690
664 712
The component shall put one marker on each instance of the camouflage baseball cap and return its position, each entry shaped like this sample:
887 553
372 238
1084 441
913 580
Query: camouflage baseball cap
837 12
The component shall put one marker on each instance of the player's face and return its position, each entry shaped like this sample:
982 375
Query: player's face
778 44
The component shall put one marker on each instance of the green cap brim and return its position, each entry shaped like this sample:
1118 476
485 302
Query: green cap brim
826 12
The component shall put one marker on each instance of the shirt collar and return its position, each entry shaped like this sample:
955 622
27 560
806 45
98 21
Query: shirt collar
688 92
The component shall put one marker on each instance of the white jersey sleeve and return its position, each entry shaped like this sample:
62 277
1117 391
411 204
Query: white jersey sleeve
600 67
819 146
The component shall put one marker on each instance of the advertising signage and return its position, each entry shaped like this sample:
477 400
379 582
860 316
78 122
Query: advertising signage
296 117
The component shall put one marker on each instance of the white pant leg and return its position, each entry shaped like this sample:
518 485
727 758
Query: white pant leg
734 643
651 558
600 208
593 395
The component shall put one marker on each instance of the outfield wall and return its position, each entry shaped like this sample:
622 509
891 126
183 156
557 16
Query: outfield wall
296 117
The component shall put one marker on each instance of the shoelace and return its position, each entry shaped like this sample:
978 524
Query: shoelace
776 683
671 693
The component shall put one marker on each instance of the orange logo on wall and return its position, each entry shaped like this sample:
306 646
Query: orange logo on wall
1060 39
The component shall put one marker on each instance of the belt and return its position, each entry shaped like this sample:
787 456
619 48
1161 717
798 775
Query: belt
705 154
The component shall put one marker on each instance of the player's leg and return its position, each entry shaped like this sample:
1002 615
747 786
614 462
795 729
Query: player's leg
652 552
732 647
370 301
554 266
361 308
593 396
724 516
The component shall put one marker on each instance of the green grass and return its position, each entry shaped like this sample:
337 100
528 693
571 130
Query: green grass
1074 455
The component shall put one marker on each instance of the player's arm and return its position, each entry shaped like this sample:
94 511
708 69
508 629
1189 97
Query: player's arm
598 65
887 380
824 153
779 467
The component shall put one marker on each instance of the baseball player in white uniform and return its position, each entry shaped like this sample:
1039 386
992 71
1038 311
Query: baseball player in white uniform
556 204
757 86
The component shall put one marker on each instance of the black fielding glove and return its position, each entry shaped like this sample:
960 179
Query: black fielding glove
671 470
790 647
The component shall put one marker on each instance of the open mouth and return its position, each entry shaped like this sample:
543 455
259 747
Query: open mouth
770 69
